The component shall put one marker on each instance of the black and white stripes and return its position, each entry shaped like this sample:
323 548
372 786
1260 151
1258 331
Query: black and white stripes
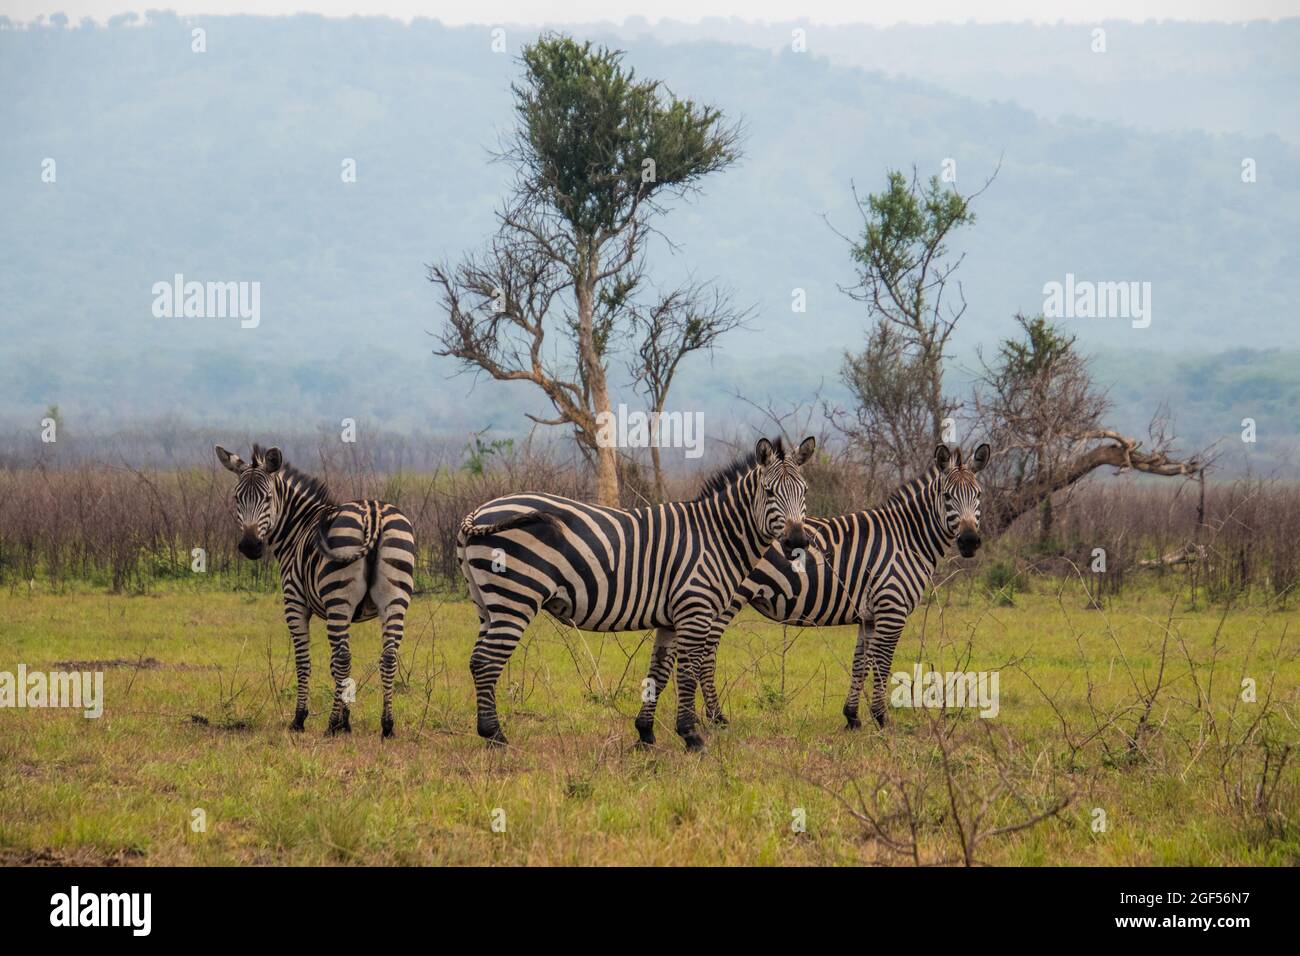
684 569
339 562
673 567
869 568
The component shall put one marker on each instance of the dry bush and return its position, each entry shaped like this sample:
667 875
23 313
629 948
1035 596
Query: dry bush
1244 545
69 517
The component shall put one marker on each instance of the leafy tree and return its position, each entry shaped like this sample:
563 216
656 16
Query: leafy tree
904 273
1037 401
596 152
478 453
888 417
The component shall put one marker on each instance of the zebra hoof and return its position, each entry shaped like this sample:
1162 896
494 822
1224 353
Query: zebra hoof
879 718
299 722
387 724
645 729
491 732
719 719
496 741
694 743
343 726
853 723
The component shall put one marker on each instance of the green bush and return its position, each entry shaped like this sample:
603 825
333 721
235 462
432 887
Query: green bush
1000 582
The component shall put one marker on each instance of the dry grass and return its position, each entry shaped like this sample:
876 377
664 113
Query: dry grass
1098 710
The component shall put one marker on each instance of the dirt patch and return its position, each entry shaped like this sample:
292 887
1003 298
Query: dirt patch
231 725
140 663
81 856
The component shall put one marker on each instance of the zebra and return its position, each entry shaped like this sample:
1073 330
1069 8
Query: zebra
873 570
673 567
343 563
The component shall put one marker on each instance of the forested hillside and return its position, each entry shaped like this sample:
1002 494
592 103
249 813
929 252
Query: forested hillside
226 165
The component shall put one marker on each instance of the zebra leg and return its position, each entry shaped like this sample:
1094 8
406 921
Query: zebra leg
690 657
391 586
858 676
344 588
394 624
709 663
496 641
340 669
499 632
661 667
881 652
708 690
296 616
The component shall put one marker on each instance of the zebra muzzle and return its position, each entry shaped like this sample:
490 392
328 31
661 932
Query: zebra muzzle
796 539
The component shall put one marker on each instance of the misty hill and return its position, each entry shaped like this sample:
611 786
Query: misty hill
1215 77
225 166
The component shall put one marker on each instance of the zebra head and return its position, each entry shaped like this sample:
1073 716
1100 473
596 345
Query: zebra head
256 503
779 506
959 493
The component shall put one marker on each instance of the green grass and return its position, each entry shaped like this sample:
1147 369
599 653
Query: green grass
573 789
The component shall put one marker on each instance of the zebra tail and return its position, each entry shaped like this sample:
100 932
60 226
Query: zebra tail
469 529
349 553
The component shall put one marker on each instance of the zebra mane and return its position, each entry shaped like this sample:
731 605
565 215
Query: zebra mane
305 485
913 488
728 474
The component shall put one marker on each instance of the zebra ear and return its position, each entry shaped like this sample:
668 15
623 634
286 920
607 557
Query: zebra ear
230 461
981 457
941 456
272 459
763 453
806 449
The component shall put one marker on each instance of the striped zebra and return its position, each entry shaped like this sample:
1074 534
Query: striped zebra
673 567
873 570
340 562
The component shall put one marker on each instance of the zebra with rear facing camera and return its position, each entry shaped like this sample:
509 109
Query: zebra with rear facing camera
673 567
340 562
873 568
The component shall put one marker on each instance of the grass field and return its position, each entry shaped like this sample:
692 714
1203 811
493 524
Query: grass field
1122 733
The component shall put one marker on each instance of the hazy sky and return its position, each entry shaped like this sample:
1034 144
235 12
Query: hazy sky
825 11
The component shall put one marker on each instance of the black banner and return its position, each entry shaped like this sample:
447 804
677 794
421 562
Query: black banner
242 904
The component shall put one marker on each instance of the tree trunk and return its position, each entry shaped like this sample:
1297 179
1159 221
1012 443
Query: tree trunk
606 459
660 492
594 373
934 365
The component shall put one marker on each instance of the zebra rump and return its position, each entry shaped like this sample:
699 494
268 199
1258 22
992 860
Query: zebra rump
350 521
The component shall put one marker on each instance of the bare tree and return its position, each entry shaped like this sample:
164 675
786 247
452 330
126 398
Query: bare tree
887 417
1044 414
685 320
497 305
